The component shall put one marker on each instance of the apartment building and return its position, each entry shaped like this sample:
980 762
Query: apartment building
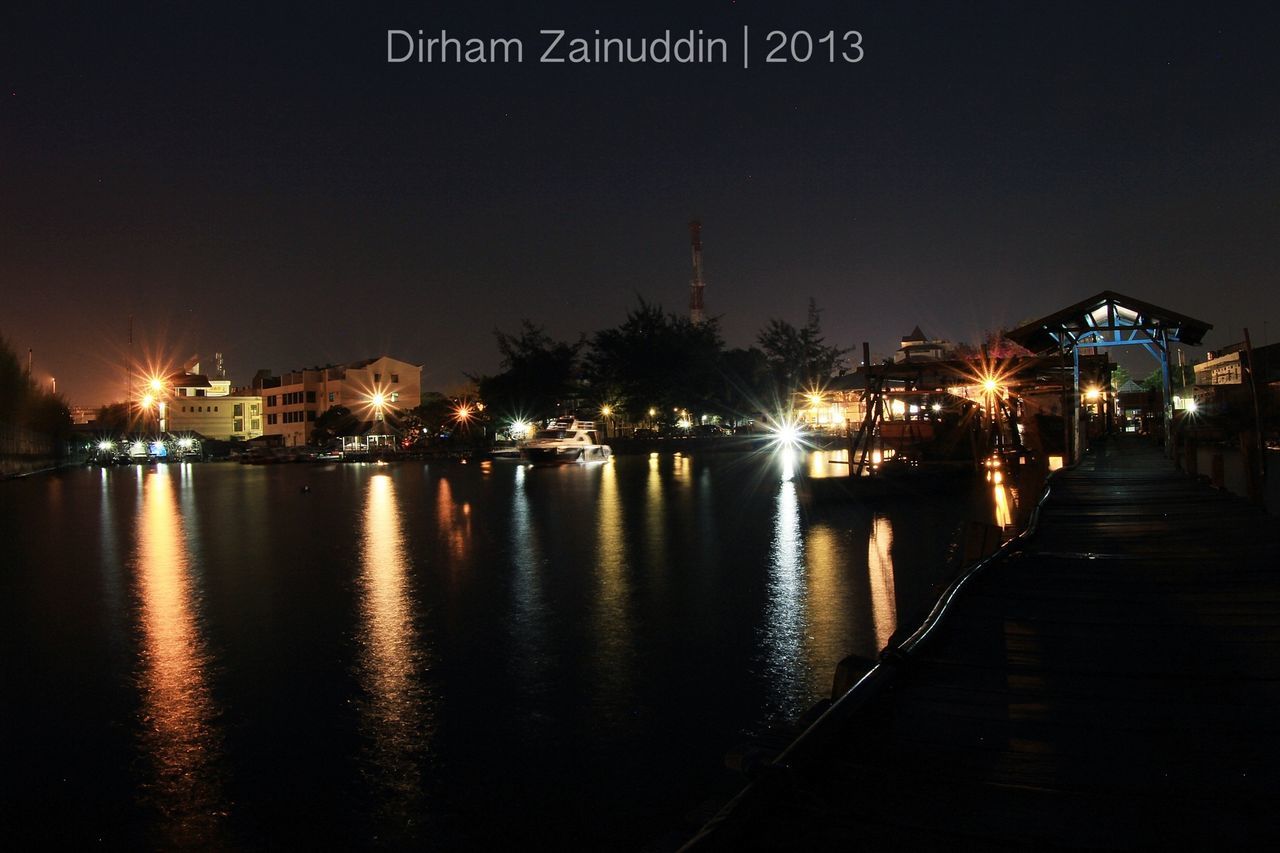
292 401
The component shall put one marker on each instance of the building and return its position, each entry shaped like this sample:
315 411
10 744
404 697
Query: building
210 408
292 401
917 347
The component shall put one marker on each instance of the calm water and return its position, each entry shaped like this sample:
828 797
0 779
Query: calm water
446 655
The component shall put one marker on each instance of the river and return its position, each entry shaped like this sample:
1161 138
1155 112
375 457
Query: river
448 655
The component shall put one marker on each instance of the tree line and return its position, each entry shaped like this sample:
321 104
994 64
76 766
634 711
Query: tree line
657 366
24 404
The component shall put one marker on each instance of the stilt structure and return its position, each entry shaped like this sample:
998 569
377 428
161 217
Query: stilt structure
1110 319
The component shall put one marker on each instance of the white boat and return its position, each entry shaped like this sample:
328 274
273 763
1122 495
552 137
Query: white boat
564 442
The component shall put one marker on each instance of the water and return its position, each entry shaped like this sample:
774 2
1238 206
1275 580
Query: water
445 655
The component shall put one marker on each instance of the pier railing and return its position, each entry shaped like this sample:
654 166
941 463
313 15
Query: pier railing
782 770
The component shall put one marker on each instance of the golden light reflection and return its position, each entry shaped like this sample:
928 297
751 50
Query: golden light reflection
178 711
884 600
828 463
611 620
1004 513
829 625
655 534
454 519
397 712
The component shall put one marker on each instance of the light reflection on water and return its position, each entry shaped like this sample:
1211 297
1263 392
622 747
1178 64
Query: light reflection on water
784 623
179 734
528 627
884 602
611 617
398 712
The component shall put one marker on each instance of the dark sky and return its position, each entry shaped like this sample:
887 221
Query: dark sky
267 185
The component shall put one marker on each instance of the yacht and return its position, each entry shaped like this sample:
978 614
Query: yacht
566 441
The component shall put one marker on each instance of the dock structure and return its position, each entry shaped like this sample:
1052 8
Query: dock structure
1110 680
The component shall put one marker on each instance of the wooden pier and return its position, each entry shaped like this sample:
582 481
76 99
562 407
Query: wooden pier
1112 680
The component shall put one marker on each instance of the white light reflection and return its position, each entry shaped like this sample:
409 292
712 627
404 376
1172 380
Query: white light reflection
178 711
398 713
785 610
528 628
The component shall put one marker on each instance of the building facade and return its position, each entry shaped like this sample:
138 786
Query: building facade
209 407
292 401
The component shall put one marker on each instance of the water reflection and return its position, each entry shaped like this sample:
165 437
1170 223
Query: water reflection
611 620
179 735
827 604
785 611
454 519
528 627
884 601
397 714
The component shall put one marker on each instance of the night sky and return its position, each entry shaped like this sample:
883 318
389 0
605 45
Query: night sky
265 184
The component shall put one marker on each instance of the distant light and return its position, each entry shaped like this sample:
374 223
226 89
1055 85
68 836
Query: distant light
186 443
990 385
684 423
378 400
898 407
914 409
520 428
786 433
814 399
606 410
1092 394
652 411
1055 462
463 412
147 400
1192 407
937 407
156 385
106 445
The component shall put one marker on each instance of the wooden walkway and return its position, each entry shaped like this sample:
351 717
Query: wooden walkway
1114 683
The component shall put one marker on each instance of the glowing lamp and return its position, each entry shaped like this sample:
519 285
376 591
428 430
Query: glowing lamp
1092 394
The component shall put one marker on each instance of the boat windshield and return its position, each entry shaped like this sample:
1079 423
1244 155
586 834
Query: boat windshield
551 434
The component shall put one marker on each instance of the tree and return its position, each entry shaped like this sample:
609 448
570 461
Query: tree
799 358
658 360
23 404
333 422
538 374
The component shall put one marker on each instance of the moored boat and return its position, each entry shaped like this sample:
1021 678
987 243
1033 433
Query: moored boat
565 442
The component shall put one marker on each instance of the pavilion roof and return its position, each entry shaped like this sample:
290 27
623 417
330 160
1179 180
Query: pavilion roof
1108 317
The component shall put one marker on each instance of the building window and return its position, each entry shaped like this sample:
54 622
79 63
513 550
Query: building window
215 408
271 420
311 415
311 396
271 401
256 424
395 396
237 410
253 409
238 426
331 396
395 379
